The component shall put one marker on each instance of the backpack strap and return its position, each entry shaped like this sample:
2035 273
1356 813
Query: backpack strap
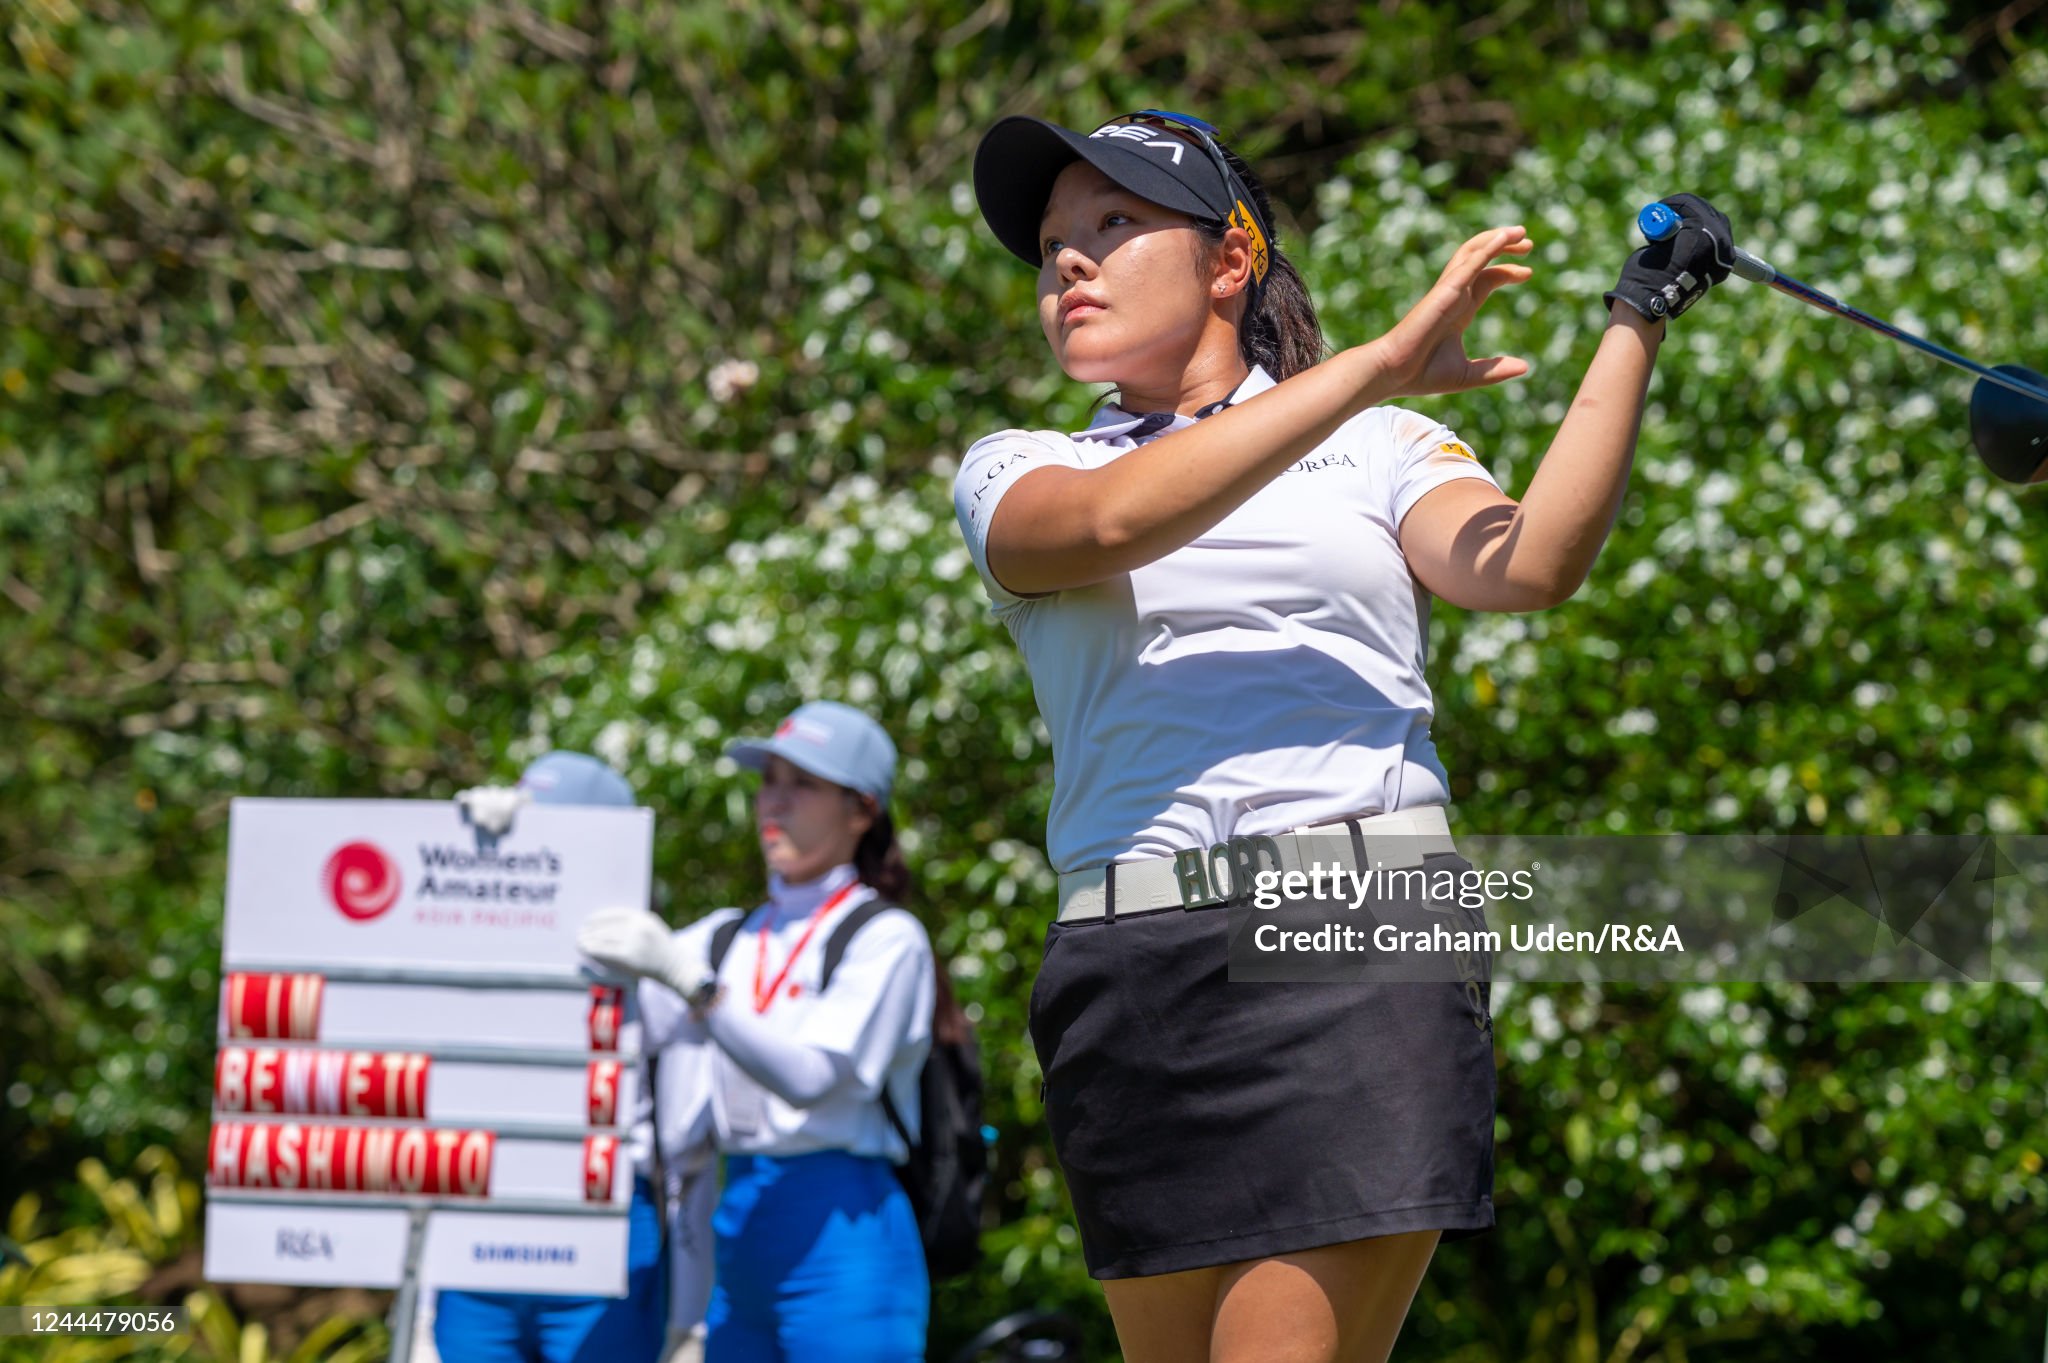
896 1118
835 945
721 939
835 948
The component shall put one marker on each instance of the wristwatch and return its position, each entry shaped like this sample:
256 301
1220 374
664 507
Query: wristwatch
703 995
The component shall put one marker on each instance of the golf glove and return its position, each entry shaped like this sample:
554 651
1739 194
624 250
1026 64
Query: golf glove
489 809
635 942
1667 277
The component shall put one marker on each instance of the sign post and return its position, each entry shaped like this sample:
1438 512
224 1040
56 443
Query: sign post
414 1080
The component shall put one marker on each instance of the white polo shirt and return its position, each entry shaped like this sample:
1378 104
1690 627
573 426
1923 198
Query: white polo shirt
876 1018
1266 676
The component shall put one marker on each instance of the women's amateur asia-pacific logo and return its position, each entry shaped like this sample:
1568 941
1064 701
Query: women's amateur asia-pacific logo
361 880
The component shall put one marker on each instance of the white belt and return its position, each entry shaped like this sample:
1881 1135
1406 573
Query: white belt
1224 874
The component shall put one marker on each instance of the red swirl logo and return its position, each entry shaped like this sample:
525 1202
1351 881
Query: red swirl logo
361 881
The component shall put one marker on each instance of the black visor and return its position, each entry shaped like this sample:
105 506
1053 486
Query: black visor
1020 158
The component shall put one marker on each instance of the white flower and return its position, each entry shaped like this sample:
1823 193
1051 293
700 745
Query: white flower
729 378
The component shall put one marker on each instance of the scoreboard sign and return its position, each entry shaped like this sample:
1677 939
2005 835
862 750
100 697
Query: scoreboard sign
413 1073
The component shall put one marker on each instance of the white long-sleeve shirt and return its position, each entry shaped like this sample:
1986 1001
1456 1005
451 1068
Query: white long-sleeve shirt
803 1074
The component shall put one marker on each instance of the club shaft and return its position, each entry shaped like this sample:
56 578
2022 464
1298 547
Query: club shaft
1657 222
1813 297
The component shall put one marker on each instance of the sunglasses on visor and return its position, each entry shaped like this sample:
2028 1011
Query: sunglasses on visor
1198 133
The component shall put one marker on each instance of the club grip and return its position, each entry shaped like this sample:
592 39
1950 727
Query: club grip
1658 221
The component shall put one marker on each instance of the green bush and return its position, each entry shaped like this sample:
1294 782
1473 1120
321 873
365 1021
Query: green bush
128 1255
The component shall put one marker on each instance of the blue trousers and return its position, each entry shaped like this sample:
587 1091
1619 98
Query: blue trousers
515 1327
818 1261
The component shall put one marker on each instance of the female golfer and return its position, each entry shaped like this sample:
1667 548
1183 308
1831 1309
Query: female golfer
817 1251
1221 591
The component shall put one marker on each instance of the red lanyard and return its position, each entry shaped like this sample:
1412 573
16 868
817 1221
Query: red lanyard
762 998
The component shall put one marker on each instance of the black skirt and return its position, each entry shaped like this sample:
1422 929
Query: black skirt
1202 1122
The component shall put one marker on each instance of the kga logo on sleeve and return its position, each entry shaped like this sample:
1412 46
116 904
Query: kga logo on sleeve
361 880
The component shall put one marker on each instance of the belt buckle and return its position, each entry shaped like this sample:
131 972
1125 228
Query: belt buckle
1200 874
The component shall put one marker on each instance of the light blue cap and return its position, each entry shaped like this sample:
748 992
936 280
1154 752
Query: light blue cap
574 778
830 740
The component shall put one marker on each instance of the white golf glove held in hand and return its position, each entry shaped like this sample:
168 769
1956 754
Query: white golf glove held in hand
636 942
490 808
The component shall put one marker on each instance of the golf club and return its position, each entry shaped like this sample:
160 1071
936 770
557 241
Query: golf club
2008 406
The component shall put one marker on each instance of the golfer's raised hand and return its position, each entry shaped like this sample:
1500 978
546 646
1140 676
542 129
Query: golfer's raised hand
1425 352
1667 277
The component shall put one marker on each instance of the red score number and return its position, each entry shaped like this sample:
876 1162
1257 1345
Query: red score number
600 1163
606 1004
604 1092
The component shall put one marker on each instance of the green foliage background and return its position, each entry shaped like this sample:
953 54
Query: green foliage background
389 392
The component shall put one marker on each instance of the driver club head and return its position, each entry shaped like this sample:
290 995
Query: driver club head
2009 429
